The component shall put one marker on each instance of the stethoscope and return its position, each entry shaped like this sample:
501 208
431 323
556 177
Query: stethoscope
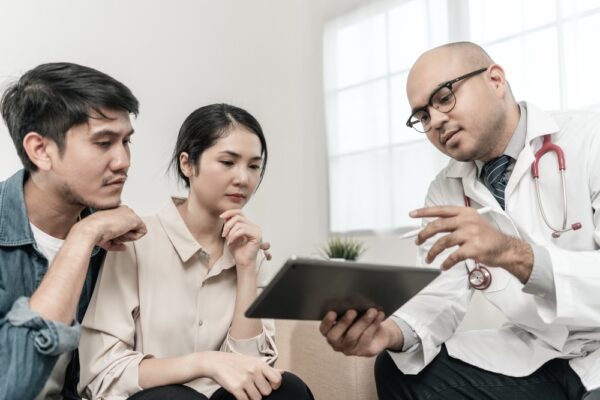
547 146
480 278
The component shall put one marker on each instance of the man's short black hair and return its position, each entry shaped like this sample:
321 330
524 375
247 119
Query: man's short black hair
51 98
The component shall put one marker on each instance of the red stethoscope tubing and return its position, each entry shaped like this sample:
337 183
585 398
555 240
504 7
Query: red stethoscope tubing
548 146
480 278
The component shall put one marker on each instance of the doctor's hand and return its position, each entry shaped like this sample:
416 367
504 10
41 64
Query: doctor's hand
366 336
476 239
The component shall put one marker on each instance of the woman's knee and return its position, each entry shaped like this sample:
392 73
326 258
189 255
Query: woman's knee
179 392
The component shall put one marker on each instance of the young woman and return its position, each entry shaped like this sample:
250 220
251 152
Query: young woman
167 317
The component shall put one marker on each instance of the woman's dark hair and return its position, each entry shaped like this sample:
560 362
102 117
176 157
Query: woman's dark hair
203 127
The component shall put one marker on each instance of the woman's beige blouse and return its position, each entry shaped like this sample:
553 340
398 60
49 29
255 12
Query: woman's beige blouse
158 299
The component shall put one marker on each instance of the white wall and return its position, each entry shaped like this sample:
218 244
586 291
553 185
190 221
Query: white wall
262 55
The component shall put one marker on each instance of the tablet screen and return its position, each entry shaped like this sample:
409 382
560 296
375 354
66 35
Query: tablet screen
306 289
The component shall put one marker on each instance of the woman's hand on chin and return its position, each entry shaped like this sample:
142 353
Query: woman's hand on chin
243 238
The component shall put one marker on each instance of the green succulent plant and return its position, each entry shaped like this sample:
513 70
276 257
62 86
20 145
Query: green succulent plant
343 247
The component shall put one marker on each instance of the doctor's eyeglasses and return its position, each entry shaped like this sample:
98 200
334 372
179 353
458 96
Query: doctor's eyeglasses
442 99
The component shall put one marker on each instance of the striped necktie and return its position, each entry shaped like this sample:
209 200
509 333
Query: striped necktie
494 175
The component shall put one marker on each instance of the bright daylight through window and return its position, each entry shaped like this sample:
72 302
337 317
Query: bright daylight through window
379 169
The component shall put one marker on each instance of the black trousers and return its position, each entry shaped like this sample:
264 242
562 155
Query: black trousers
451 379
292 388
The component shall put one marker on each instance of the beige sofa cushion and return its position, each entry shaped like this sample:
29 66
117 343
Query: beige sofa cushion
330 375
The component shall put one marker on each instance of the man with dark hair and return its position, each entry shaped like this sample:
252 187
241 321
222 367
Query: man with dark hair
71 127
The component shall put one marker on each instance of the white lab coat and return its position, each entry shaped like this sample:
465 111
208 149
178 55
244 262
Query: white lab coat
538 328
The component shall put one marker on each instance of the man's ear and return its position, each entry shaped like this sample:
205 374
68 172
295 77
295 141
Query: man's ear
497 78
40 150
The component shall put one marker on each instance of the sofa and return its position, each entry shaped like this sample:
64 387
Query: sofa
330 375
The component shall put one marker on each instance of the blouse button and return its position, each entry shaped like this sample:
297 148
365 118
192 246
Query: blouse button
200 323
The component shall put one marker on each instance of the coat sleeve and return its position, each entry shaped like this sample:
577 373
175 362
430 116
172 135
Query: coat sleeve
109 363
439 308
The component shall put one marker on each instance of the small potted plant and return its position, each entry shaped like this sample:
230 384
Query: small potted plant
343 248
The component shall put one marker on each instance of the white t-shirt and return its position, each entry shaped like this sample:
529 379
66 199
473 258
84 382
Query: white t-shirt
49 247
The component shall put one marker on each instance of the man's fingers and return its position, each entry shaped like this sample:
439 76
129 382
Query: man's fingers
129 236
113 245
357 329
336 334
327 323
436 211
445 242
439 225
454 258
366 338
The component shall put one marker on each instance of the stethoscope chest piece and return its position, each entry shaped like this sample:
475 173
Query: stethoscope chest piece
480 278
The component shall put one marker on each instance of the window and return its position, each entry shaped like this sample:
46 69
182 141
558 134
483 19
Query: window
378 168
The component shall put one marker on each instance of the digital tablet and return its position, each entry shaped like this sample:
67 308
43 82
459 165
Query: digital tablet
306 288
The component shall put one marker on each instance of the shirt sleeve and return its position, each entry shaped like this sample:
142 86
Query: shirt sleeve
109 363
541 280
262 346
52 338
30 346
410 336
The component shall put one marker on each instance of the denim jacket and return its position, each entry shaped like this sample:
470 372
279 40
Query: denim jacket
30 345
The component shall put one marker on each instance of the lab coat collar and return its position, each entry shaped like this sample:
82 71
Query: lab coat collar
539 123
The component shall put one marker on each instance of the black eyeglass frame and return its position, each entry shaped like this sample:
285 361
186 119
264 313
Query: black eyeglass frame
447 85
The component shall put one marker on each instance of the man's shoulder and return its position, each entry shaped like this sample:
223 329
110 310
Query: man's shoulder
584 124
3 186
14 222
14 182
